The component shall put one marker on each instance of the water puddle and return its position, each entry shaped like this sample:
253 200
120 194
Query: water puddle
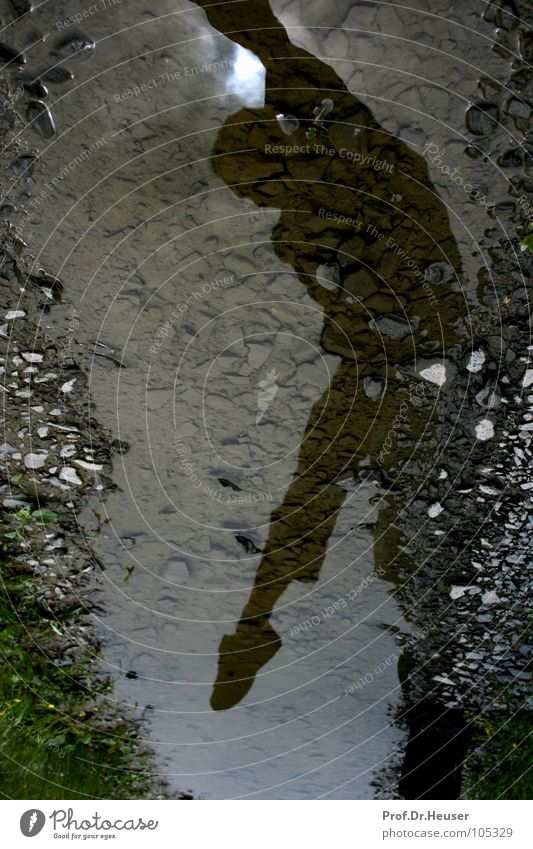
262 262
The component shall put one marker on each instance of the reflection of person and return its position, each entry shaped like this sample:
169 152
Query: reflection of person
379 316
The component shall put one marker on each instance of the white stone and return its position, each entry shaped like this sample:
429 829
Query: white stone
42 431
476 360
35 461
435 510
32 357
490 597
435 374
12 314
92 467
457 592
67 451
528 378
69 475
69 385
484 430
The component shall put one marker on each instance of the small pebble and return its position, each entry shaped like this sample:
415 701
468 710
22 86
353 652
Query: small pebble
92 467
435 374
475 361
484 430
40 116
69 475
35 461
74 45
68 386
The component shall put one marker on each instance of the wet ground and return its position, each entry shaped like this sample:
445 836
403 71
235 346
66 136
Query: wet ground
307 330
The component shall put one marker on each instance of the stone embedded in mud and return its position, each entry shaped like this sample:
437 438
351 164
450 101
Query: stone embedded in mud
435 373
490 597
373 388
435 510
32 357
21 7
393 326
526 44
74 45
438 272
484 430
68 474
68 386
489 396
329 275
12 314
9 54
36 89
91 467
528 378
475 361
489 490
457 592
39 115
35 461
512 158
518 109
119 446
481 118
57 75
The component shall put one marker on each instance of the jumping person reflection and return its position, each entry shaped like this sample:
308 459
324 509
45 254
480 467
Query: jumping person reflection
357 205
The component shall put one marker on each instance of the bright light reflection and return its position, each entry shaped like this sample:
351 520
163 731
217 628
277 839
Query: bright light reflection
248 74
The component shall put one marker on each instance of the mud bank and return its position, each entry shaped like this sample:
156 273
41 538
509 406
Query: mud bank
62 733
465 564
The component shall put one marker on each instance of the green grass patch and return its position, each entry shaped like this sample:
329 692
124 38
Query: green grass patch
60 737
500 765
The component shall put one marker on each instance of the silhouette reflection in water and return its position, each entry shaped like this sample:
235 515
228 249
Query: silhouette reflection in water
387 310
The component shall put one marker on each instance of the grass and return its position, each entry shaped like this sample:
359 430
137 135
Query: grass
59 736
501 763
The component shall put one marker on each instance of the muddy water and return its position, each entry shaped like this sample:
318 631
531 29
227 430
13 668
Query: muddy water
234 522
